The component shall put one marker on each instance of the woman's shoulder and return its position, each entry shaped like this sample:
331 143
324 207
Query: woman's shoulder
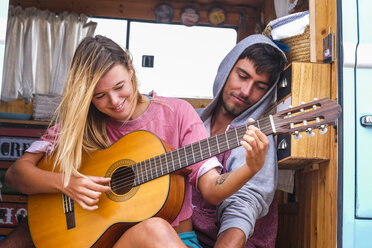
173 102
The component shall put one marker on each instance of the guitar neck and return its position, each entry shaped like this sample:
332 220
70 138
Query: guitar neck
182 157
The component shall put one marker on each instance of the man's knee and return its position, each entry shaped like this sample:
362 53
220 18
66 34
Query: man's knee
19 237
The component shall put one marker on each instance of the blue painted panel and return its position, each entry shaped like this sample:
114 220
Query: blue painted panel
364 144
364 107
363 234
348 110
349 43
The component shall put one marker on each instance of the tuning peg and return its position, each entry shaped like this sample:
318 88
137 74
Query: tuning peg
296 135
310 132
283 83
323 129
282 145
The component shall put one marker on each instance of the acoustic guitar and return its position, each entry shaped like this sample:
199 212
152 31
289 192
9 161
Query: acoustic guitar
145 179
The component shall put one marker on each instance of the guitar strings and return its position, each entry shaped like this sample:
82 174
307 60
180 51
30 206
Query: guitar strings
126 179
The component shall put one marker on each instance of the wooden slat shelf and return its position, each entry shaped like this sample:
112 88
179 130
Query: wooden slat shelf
29 122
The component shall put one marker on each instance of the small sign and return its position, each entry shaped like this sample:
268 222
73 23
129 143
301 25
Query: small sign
11 148
329 48
147 61
12 213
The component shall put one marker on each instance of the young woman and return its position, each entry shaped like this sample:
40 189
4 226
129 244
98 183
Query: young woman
101 103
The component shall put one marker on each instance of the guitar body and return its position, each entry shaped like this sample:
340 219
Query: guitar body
162 197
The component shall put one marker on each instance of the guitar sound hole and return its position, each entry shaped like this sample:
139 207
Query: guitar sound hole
122 180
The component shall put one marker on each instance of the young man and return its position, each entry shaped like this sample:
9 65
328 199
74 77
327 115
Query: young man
244 88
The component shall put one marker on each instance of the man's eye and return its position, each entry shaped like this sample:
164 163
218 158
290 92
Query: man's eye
261 87
243 76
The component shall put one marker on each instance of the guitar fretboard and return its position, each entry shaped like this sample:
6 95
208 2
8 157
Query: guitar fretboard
180 158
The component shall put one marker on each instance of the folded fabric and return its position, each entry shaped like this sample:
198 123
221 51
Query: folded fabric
44 106
289 26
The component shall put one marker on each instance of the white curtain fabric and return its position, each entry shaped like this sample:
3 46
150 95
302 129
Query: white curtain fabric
281 7
38 51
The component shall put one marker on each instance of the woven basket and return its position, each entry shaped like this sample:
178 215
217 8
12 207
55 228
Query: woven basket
299 45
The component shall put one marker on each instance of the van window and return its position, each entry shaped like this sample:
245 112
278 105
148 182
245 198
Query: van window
172 59
185 59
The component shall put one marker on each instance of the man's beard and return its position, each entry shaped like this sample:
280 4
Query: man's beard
232 110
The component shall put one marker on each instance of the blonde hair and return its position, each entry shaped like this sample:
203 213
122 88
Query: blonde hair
81 126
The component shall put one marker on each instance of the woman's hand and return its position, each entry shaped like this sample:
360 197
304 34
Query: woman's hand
86 190
256 144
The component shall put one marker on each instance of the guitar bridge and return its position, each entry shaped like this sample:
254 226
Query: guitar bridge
68 208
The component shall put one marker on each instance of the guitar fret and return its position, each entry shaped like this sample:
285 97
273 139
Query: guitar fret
156 171
209 148
272 124
159 167
143 179
166 160
179 159
227 141
161 161
218 146
201 151
146 170
134 168
172 161
192 150
149 169
231 135
184 149
221 142
212 146
237 137
189 154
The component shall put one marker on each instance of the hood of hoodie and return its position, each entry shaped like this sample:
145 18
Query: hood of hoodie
227 64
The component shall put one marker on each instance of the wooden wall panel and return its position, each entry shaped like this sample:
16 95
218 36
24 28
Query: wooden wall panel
316 191
144 10
17 106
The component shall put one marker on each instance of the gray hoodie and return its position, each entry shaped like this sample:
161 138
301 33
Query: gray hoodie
252 201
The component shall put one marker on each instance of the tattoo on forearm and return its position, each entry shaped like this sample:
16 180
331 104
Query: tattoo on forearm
222 178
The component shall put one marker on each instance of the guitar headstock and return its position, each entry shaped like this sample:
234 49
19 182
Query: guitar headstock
317 114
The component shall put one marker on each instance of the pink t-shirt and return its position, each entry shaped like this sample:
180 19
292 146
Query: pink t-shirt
172 120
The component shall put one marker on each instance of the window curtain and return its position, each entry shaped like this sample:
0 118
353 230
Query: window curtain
39 48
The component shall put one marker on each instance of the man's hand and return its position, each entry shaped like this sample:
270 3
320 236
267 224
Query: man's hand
231 238
256 144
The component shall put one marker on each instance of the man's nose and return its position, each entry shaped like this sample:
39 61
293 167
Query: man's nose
247 88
